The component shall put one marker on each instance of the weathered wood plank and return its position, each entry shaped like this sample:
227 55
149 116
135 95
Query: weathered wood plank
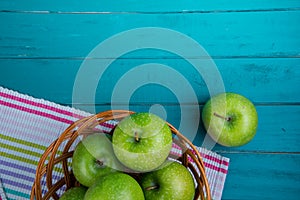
223 35
278 129
261 80
262 176
146 6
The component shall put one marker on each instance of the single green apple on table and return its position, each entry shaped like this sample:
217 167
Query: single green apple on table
142 141
230 119
115 186
172 181
94 157
74 193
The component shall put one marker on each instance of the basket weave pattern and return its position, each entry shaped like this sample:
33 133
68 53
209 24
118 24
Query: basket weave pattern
54 174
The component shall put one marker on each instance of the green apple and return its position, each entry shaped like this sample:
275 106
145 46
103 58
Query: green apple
74 193
115 186
173 181
142 141
94 157
230 119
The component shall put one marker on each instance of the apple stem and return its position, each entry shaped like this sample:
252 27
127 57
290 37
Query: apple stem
151 187
136 137
100 163
222 117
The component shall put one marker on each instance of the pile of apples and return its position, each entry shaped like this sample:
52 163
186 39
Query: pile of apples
132 164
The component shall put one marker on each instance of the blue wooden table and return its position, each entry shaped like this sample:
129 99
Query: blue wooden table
255 45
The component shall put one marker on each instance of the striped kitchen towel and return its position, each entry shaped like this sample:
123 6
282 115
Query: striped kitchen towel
28 125
2 193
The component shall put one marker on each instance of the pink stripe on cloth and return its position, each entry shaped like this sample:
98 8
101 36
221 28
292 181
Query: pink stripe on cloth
215 168
215 159
43 114
108 125
44 106
40 105
217 162
209 157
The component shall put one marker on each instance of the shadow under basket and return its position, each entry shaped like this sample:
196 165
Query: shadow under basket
54 173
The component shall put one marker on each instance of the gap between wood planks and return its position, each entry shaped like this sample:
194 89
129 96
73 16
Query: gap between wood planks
151 12
279 56
177 104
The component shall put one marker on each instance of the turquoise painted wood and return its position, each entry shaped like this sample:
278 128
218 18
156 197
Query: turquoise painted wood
233 34
263 176
255 45
259 76
148 6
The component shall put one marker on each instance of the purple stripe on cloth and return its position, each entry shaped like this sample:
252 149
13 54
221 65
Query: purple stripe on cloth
22 168
16 184
29 136
16 166
14 114
26 178
20 185
21 126
17 175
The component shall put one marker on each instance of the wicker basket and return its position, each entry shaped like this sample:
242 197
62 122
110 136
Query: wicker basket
54 174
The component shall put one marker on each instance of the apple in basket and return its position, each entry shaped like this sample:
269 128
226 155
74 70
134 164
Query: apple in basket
75 193
230 119
115 186
171 181
94 157
142 141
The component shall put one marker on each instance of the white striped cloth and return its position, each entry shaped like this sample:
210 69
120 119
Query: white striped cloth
28 125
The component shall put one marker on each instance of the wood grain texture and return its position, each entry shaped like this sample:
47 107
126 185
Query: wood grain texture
262 176
274 134
149 6
249 34
255 45
259 76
